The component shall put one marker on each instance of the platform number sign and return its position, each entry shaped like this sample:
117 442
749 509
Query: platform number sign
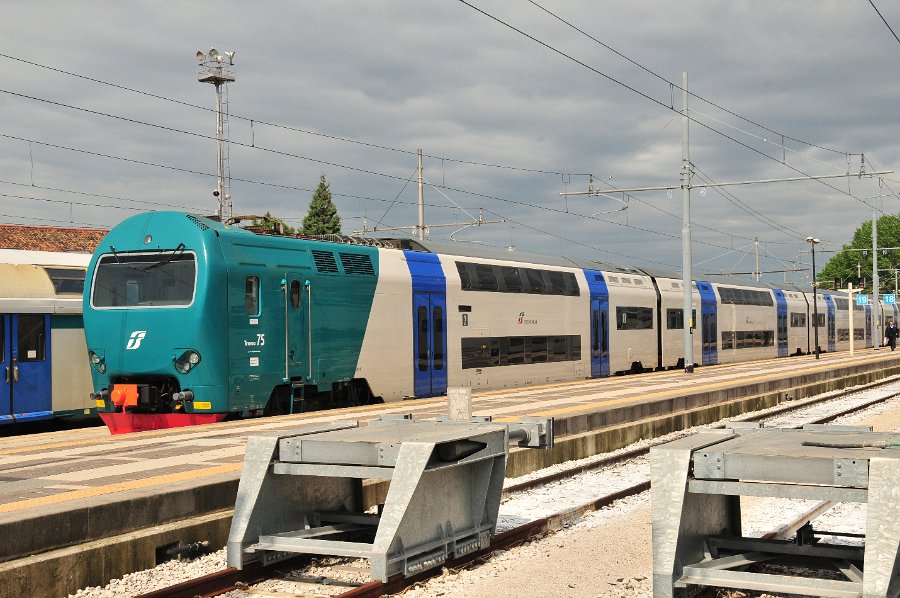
890 299
862 299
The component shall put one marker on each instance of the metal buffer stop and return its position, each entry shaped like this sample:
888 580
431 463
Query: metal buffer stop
697 483
301 492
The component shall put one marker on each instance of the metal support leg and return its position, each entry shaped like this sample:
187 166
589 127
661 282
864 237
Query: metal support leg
882 529
681 520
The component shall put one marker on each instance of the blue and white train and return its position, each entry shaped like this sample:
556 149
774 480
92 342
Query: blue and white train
190 320
42 349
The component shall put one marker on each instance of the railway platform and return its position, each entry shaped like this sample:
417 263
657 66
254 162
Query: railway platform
80 507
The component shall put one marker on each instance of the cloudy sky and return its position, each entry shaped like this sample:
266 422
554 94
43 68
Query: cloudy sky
102 117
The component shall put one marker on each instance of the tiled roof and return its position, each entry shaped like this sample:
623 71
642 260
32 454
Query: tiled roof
49 238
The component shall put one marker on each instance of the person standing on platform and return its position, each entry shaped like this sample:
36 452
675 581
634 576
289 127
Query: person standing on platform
891 333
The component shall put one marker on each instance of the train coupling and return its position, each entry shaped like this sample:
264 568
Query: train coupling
183 396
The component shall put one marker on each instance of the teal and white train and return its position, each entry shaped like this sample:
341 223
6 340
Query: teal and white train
190 320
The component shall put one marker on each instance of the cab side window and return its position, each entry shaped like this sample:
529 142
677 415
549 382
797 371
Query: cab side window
251 296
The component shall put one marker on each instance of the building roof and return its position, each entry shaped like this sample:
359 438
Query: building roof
49 238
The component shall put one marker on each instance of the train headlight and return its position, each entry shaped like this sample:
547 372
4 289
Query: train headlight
187 361
97 362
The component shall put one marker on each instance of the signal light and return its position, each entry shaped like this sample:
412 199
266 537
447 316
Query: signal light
97 362
187 361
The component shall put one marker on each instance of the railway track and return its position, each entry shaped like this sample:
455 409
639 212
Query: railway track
342 577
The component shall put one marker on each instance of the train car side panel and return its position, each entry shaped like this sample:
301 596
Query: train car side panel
672 306
71 385
387 346
632 310
515 323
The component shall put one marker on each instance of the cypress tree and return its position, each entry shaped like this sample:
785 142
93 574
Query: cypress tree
322 217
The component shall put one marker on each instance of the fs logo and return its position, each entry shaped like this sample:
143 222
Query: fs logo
525 321
135 340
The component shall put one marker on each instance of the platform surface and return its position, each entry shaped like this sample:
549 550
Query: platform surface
71 473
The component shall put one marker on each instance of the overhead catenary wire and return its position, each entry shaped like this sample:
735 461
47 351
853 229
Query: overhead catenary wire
579 243
886 24
252 120
673 85
256 121
750 211
386 147
649 97
253 146
97 195
250 181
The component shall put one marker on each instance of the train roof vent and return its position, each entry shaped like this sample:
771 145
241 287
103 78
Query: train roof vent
197 221
324 261
355 263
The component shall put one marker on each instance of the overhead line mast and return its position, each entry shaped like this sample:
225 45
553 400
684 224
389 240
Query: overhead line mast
421 229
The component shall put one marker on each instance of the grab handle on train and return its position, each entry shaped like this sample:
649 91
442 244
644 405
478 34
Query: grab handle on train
7 374
15 370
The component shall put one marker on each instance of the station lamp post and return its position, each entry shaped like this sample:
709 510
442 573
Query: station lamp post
812 243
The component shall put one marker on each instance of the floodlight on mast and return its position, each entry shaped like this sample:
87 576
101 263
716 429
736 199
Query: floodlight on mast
213 70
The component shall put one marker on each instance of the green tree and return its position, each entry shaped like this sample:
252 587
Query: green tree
322 217
843 266
271 223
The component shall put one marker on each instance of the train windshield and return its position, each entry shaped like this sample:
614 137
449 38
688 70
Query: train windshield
159 279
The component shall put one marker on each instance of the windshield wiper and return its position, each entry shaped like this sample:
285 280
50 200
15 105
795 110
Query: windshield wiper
175 252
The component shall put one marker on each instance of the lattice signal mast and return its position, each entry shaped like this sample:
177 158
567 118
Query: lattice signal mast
218 69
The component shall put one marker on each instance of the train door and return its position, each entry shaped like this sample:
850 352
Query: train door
297 360
829 322
430 344
599 323
26 390
709 328
429 324
781 323
869 326
6 384
255 365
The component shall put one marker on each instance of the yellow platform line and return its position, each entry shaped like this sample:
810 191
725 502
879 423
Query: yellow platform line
53 499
